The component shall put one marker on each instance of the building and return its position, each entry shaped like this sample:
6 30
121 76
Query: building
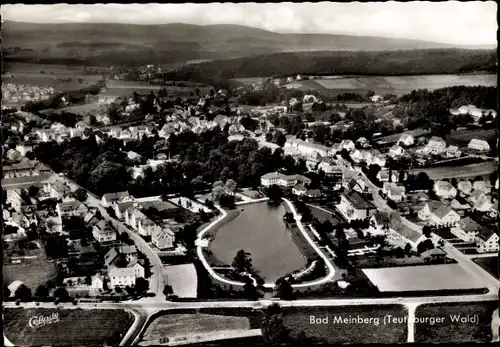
163 238
433 254
330 170
103 232
487 241
379 223
130 253
453 152
436 145
412 236
396 151
443 216
139 222
347 145
72 208
406 140
357 156
279 179
485 204
466 229
377 98
98 282
479 145
383 176
127 276
394 192
482 186
444 190
121 207
465 187
459 204
109 199
354 206
363 142
307 148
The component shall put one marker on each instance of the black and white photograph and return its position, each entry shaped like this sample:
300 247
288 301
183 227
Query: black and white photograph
217 174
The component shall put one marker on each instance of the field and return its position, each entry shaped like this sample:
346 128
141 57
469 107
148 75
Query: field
250 80
75 327
298 319
466 171
455 332
323 216
32 272
421 278
490 264
405 84
183 279
188 325
463 137
90 108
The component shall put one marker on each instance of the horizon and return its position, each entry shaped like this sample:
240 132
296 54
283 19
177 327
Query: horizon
465 23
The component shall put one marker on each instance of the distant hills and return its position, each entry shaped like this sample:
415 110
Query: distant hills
113 44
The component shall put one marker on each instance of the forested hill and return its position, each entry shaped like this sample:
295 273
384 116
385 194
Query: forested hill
388 63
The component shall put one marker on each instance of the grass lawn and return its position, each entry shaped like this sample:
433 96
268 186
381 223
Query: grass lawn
75 327
179 325
463 137
32 272
322 216
448 331
464 171
490 264
445 233
298 319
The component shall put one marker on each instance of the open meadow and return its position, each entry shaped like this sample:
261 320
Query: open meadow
75 327
465 171
452 331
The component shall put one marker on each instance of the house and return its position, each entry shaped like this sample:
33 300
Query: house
453 152
121 207
379 223
487 241
444 190
436 145
406 140
163 238
347 144
14 286
394 192
444 216
482 186
13 155
479 145
130 253
58 127
433 254
330 170
103 232
459 205
485 204
97 282
387 176
475 196
465 186
139 222
357 184
122 277
24 148
299 190
357 156
72 208
466 229
306 148
396 151
354 206
411 235
425 212
377 98
363 142
133 155
109 199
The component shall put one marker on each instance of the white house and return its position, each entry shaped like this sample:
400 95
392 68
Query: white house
466 229
122 277
329 169
444 216
453 152
478 145
482 186
98 282
396 151
406 139
354 206
377 98
163 238
485 204
487 241
103 232
394 192
347 144
71 208
276 178
436 145
465 186
444 190
109 199
387 175
379 223
363 142
307 148
357 156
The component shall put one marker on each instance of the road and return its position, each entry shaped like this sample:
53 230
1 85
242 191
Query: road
157 281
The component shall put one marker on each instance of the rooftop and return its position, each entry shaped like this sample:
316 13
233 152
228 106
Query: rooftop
358 201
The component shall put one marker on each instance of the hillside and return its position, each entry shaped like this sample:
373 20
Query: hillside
389 63
105 43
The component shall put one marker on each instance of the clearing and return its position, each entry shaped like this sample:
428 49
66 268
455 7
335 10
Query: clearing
75 327
452 331
465 171
489 264
183 279
374 331
463 137
422 278
183 326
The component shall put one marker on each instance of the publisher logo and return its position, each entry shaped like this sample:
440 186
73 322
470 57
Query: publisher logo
41 321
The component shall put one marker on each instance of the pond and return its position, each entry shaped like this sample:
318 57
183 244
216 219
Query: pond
259 229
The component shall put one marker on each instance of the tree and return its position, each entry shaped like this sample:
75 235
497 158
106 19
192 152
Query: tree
231 185
6 291
167 290
61 293
250 291
33 190
41 291
273 330
426 230
274 193
284 289
88 280
81 195
269 137
217 193
23 293
279 138
242 262
141 285
408 248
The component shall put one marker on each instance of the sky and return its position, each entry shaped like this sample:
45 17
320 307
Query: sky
461 23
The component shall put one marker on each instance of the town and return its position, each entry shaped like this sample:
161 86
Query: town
243 201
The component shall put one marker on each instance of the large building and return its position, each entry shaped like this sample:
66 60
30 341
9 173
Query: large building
279 179
307 148
354 206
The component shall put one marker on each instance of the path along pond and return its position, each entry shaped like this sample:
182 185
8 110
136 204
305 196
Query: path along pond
259 229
